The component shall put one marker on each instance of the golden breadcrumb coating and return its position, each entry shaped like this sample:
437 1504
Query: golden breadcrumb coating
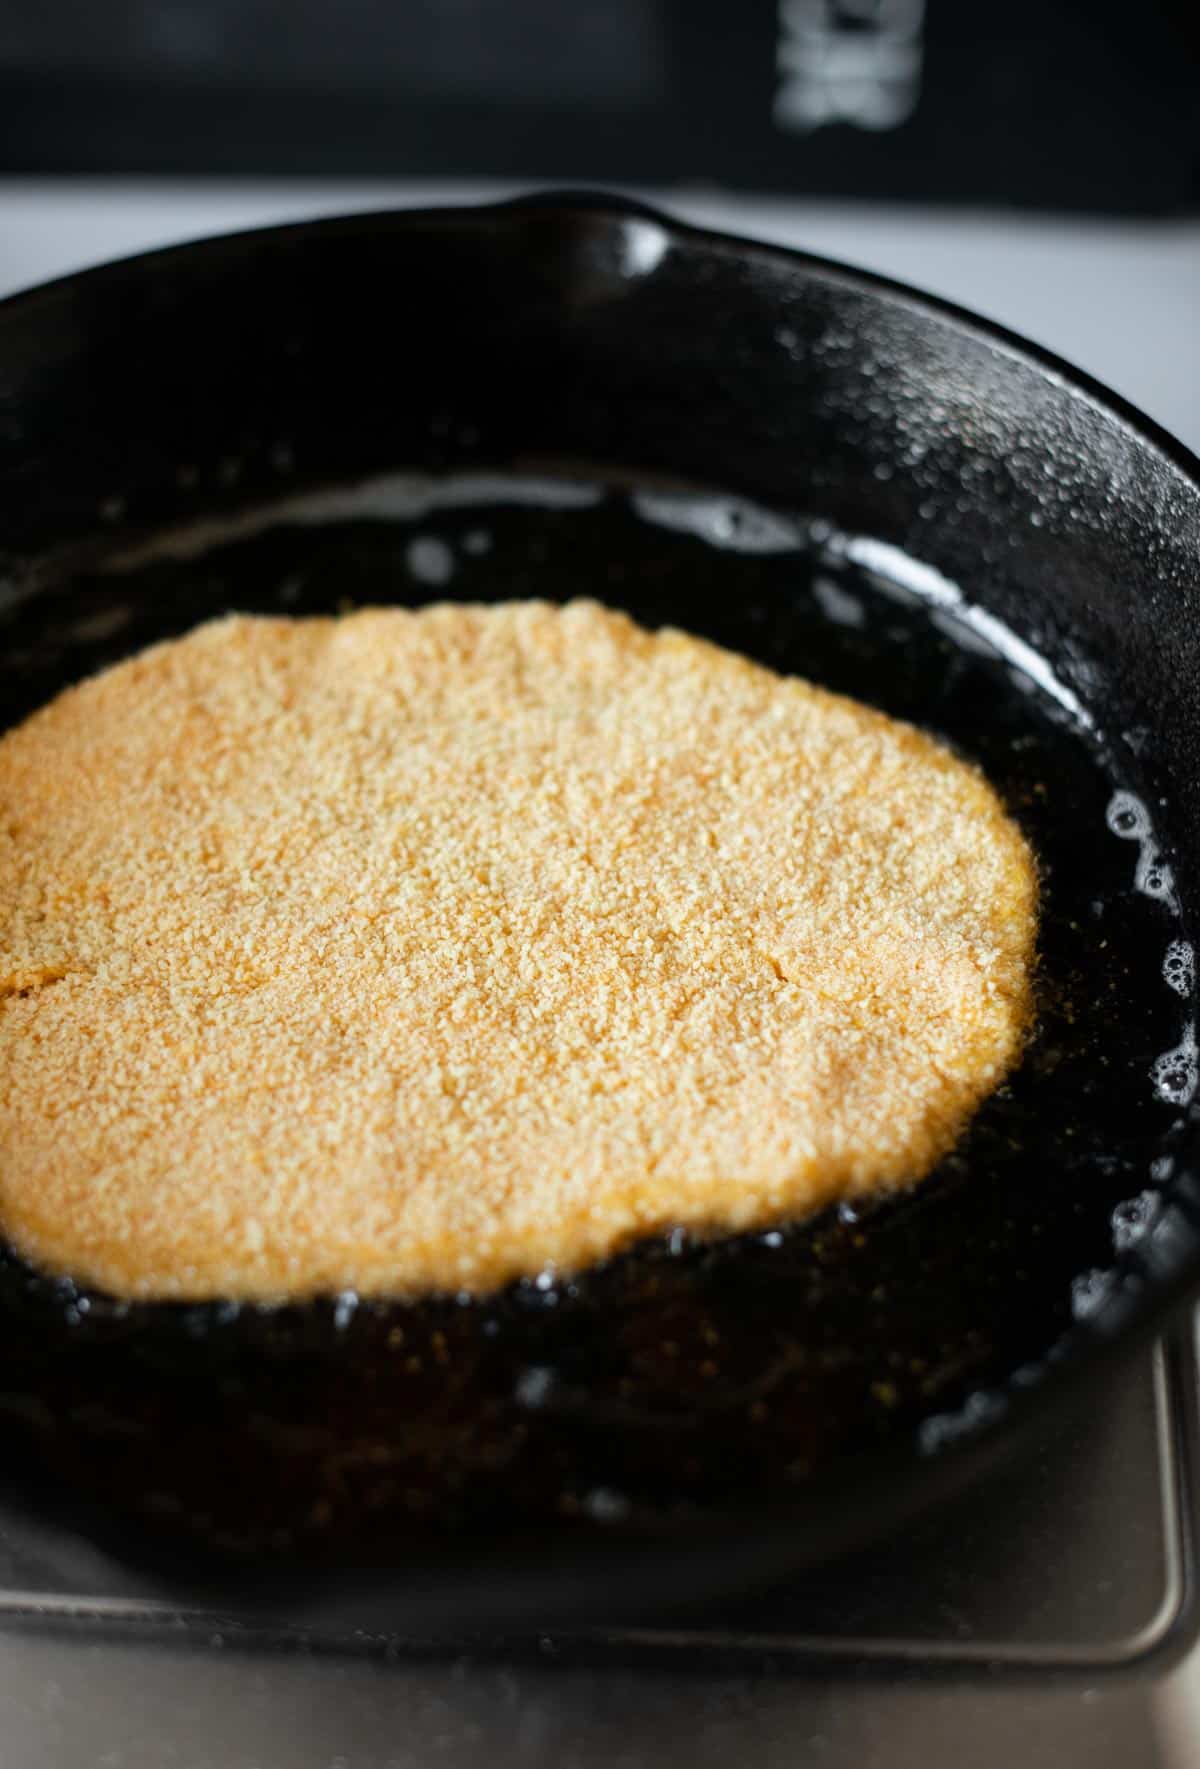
415 951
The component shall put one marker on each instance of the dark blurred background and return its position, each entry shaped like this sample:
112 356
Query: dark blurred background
1085 105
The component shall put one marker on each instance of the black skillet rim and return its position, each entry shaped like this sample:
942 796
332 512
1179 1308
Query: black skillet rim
729 1547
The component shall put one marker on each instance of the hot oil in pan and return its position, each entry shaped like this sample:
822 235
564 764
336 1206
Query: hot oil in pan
680 1375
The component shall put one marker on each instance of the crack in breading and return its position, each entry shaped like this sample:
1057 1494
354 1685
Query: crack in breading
22 983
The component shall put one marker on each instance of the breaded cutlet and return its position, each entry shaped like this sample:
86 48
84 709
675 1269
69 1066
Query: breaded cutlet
419 951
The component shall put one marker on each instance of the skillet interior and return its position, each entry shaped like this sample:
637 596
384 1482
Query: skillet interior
829 397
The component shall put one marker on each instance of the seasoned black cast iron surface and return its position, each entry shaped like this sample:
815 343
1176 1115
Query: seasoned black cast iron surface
680 1379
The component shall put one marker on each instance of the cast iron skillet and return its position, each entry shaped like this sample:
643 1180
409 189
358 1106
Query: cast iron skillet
689 1418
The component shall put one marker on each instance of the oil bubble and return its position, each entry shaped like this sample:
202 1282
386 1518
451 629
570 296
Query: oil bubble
534 1385
1128 817
1179 967
1174 1074
1129 820
429 560
1090 1291
344 1309
604 1505
1134 1218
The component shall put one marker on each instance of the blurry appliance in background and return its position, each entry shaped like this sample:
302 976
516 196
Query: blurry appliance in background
1076 104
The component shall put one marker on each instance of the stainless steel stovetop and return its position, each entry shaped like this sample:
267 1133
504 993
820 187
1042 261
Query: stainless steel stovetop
1036 1621
1046 1620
